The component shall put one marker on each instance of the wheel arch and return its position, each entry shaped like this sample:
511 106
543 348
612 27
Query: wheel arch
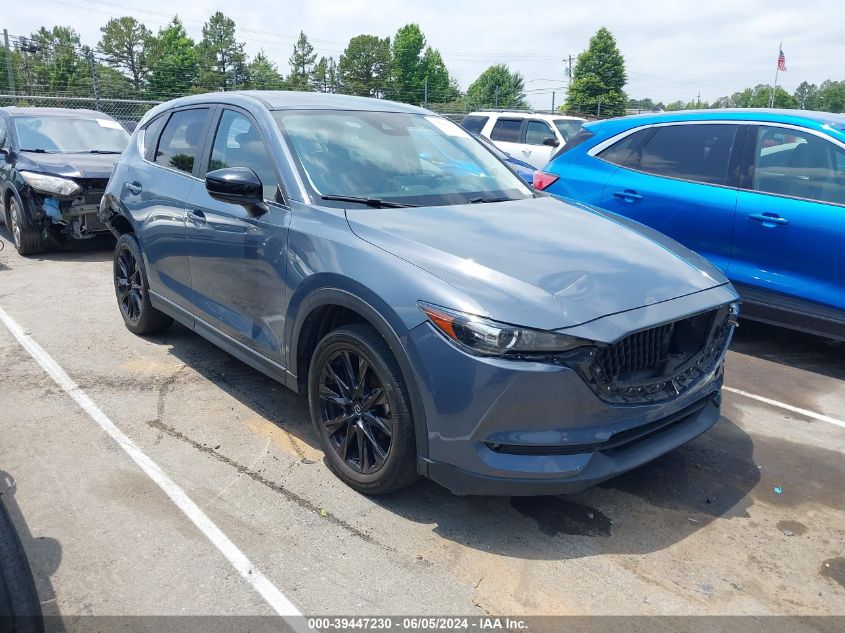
329 307
115 215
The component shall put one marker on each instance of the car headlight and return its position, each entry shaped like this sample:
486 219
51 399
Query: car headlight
478 335
51 185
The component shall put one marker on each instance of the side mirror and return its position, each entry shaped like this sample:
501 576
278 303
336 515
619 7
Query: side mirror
236 185
551 141
8 155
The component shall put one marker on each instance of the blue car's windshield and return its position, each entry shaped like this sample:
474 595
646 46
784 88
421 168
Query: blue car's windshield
70 134
404 158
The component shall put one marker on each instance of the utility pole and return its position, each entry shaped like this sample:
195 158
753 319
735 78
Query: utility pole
95 80
497 98
598 110
426 92
698 100
9 62
553 100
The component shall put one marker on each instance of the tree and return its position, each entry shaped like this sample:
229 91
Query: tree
124 43
301 63
407 73
364 66
173 61
264 74
442 87
59 65
598 77
497 87
806 95
324 76
221 56
831 96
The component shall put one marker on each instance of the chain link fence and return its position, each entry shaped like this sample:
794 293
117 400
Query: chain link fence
127 111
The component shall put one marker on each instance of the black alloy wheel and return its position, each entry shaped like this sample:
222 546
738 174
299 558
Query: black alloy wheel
128 284
132 290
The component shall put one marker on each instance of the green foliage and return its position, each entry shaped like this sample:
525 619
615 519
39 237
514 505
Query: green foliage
264 74
173 62
831 96
497 87
222 58
407 72
324 77
364 66
598 78
301 64
124 43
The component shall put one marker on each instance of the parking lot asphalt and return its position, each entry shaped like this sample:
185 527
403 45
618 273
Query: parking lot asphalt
747 519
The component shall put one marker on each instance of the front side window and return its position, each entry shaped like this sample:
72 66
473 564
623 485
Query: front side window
3 132
798 164
536 132
237 143
181 140
398 157
697 152
70 134
474 124
506 130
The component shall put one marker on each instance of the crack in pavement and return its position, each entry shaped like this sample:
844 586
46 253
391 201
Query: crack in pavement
258 477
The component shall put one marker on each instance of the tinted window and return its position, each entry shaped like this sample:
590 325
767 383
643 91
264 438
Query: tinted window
237 143
3 131
506 130
537 132
691 152
624 152
575 141
568 128
800 165
181 141
474 124
151 134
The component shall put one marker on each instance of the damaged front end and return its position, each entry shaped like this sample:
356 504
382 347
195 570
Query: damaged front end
64 207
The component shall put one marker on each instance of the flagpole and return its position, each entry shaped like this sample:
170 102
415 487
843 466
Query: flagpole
777 69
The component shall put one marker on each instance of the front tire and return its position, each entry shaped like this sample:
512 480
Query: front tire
361 411
133 291
28 240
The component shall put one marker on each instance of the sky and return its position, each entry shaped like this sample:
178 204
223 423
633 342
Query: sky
673 49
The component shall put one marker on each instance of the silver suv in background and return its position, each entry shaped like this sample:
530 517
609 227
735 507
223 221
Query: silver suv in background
529 136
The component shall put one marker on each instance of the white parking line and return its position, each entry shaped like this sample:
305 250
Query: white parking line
274 597
787 407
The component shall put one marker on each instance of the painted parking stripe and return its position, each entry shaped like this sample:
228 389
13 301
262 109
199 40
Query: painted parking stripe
788 407
271 594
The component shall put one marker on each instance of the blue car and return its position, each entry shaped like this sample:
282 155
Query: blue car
524 170
760 193
444 319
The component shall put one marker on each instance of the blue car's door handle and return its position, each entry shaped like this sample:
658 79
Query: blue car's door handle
628 194
768 218
196 216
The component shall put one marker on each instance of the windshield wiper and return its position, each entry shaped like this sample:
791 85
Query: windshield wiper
370 202
37 150
484 200
99 151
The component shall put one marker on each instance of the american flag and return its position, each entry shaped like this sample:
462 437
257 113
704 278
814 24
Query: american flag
781 61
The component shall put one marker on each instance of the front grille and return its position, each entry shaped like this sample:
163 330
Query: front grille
642 351
661 362
93 189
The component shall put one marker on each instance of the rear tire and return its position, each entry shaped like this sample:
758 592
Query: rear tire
28 240
361 411
133 291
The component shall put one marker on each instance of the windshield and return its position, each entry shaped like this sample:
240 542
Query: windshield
70 134
567 127
404 158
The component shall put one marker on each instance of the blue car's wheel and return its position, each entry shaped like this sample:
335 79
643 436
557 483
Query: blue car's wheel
360 410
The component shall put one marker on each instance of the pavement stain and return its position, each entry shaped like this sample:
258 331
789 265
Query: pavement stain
792 528
834 568
556 515
276 487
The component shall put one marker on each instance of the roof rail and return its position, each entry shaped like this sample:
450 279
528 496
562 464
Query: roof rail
525 110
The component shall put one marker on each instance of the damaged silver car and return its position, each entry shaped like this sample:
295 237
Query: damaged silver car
54 166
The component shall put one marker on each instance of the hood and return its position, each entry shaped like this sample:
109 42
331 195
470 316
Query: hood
68 165
539 262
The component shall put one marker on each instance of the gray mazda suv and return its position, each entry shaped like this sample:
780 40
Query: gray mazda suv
444 319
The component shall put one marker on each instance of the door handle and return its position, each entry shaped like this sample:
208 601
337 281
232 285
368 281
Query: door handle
196 216
628 194
134 187
768 218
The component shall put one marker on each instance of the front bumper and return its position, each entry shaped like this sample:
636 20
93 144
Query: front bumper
508 427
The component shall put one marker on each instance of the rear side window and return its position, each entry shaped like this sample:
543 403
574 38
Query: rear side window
800 165
575 141
474 123
700 153
181 140
536 132
506 130
625 152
